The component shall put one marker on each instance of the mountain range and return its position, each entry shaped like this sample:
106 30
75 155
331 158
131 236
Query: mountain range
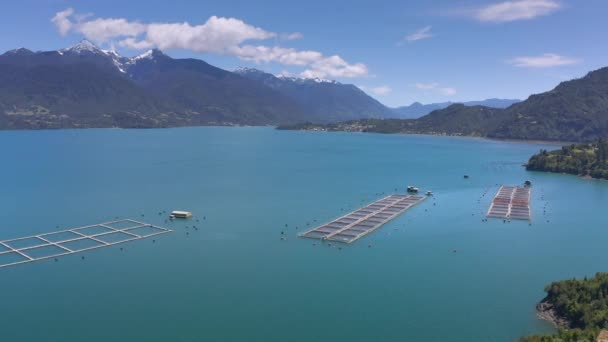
322 100
85 86
575 110
417 109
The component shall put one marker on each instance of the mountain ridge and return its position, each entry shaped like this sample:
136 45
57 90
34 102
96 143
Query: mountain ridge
324 100
574 111
417 109
73 87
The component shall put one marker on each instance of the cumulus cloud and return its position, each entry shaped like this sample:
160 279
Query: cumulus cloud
448 91
516 10
378 91
266 54
420 34
284 73
334 66
292 36
219 35
103 30
546 60
62 21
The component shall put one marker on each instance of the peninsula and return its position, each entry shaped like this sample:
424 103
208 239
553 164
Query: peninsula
586 160
579 308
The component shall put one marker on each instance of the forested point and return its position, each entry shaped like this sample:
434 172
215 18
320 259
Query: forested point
583 304
577 159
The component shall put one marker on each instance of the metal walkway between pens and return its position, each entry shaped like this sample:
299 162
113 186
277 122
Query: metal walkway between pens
69 241
361 222
511 202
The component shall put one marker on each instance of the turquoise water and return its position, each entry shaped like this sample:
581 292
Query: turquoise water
234 279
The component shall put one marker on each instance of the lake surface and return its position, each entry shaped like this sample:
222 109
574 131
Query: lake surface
234 279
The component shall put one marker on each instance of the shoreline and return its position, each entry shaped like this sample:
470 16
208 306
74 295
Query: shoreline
545 311
510 140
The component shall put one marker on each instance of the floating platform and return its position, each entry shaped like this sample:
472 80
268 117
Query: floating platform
511 202
69 241
361 222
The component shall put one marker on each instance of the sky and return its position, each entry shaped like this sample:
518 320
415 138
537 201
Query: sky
397 51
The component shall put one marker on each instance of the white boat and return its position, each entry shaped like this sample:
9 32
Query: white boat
412 188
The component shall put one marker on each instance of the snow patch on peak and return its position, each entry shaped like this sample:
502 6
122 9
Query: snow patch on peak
146 55
307 80
246 70
111 53
84 46
19 51
323 80
150 54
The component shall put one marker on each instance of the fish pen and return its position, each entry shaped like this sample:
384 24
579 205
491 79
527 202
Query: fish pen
363 221
511 202
75 240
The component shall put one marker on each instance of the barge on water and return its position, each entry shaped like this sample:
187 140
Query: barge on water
180 214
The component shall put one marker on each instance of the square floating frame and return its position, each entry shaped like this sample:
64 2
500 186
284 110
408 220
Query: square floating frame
353 226
75 240
511 202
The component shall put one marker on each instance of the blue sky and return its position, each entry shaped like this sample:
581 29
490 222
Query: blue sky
398 51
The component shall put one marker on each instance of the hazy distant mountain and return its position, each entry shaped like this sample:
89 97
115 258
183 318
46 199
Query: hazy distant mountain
575 110
322 100
417 109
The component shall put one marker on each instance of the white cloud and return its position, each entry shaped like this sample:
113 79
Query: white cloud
62 21
448 91
516 10
215 35
422 33
266 54
103 30
135 44
226 36
427 86
378 91
292 36
284 73
334 66
546 60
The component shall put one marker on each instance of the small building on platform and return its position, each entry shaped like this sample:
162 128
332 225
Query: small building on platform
181 214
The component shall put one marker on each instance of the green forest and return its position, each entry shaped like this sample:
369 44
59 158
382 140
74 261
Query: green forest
583 303
579 159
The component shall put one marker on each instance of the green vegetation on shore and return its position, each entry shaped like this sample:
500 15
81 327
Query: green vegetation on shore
580 159
580 307
573 335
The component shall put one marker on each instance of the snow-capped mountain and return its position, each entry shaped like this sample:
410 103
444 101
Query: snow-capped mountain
86 86
324 100
83 47
19 52
252 72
